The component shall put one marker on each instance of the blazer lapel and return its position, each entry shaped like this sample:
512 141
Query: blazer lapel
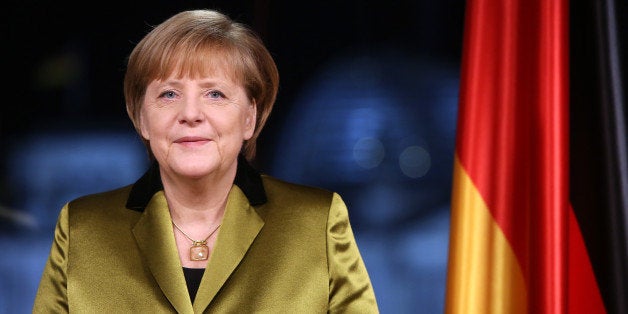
155 238
240 226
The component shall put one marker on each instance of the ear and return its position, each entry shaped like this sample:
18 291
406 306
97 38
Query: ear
250 120
142 126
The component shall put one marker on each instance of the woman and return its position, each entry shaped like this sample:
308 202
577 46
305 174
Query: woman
201 230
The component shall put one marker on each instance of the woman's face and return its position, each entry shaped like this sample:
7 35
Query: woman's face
196 126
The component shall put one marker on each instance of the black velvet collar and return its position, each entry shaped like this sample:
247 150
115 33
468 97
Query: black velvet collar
247 178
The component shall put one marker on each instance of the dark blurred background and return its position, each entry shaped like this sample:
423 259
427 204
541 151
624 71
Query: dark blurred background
366 107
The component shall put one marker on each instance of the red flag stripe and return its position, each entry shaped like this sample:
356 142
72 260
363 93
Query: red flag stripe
512 143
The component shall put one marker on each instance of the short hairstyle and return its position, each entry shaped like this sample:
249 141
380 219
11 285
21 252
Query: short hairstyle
193 43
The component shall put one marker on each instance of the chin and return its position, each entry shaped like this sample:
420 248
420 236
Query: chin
194 171
194 167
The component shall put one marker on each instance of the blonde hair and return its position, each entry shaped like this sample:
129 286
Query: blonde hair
194 43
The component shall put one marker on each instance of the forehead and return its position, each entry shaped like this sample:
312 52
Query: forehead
198 62
218 79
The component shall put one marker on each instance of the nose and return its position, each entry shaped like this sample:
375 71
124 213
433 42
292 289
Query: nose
191 112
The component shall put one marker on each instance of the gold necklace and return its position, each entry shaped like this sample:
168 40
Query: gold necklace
199 250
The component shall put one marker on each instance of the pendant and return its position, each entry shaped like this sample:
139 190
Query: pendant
199 251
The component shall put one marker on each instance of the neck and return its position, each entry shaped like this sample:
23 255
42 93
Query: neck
198 201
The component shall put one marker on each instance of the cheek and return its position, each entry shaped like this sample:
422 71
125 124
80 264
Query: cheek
155 123
152 124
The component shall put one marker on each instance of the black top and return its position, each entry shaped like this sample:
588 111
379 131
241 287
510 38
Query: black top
193 280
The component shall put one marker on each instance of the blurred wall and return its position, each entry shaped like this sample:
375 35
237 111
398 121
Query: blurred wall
367 107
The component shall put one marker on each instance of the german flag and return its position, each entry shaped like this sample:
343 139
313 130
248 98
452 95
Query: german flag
539 206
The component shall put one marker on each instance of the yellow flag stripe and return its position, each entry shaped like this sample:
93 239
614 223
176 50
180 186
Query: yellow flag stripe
484 275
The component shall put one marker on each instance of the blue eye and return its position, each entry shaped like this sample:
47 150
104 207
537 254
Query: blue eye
168 94
215 94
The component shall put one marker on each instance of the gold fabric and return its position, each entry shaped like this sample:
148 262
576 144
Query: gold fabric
294 254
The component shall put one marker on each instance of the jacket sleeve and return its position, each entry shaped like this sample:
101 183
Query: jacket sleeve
350 287
52 292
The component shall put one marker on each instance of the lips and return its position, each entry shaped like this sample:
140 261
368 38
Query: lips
192 140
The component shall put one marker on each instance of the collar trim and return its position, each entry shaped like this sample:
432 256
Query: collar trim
247 178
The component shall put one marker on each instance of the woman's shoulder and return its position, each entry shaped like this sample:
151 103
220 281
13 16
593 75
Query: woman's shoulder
104 209
277 188
272 181
113 197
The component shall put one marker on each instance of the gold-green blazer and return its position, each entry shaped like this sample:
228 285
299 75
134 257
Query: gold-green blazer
282 248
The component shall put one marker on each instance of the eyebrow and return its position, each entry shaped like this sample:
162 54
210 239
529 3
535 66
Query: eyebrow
212 82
